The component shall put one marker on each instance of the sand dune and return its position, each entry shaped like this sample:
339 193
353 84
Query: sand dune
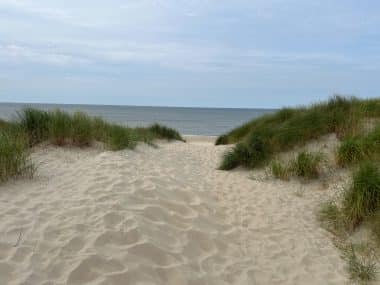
159 216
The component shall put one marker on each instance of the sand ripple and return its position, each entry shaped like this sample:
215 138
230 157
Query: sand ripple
157 216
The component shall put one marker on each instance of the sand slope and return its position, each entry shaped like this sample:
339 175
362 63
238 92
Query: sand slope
159 216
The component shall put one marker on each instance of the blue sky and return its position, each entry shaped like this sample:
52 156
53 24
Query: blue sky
222 53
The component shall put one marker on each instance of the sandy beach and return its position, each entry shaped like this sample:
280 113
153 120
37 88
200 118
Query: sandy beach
161 215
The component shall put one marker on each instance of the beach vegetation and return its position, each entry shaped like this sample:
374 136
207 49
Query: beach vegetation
294 127
163 132
332 218
362 198
119 137
14 157
33 126
360 205
306 165
360 148
362 264
60 127
230 159
79 129
82 129
279 170
35 123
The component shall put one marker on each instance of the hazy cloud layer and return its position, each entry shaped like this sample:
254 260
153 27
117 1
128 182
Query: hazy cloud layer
200 53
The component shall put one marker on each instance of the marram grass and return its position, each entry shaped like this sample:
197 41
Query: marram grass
79 129
60 128
306 165
293 127
14 158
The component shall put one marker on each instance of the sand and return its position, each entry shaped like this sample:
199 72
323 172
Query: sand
160 216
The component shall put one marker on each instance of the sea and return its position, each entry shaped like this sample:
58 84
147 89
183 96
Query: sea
188 121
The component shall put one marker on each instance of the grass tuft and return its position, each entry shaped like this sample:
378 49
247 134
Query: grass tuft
307 165
279 170
332 218
230 161
120 138
363 197
361 263
82 132
35 123
14 159
163 132
350 151
221 140
60 127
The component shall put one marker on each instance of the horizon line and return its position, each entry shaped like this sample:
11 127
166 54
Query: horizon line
148 106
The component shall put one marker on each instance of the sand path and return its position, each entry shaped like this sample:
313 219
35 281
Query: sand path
159 216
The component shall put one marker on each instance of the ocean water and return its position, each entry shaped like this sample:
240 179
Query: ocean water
188 121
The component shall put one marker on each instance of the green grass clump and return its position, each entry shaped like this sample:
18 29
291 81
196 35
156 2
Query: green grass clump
163 132
82 129
332 218
361 263
350 151
279 170
14 159
221 140
363 197
35 123
99 129
230 160
307 165
360 203
291 127
120 137
251 153
60 127
357 149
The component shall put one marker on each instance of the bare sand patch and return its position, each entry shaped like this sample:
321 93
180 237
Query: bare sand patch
160 216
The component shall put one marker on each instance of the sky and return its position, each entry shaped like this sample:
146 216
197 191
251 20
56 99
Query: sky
210 53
